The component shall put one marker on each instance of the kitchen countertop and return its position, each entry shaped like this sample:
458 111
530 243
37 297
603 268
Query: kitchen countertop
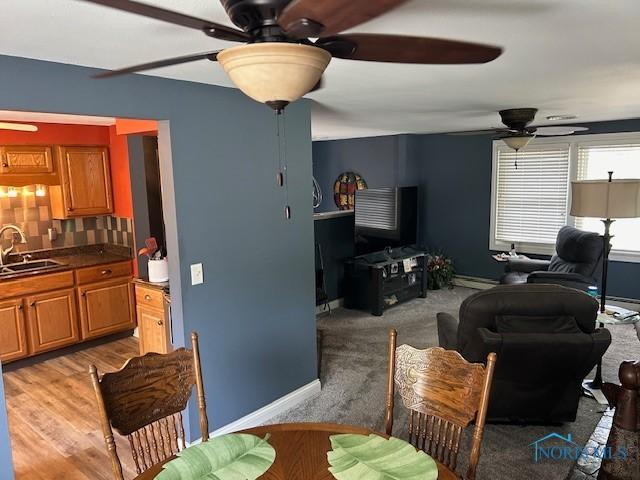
71 258
163 286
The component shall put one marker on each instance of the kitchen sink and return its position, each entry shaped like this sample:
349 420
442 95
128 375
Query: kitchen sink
31 266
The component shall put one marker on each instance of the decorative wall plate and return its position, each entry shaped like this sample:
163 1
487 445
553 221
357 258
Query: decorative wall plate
237 456
344 189
372 457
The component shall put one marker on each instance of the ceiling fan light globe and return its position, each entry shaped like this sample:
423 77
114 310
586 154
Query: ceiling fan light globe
274 71
518 142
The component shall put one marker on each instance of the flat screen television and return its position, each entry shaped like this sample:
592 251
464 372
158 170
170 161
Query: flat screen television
385 217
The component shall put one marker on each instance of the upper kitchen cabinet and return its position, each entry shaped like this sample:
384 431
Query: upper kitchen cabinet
27 164
85 178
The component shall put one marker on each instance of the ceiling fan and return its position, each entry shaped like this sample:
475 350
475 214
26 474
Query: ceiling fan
279 62
20 127
519 131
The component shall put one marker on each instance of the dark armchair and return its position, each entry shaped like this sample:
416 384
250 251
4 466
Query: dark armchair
576 264
546 340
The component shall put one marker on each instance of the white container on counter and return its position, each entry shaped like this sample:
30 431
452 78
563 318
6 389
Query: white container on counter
158 270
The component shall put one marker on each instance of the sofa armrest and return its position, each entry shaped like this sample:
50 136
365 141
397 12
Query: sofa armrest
526 265
566 279
447 331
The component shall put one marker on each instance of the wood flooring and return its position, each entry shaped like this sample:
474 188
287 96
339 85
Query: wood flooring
53 421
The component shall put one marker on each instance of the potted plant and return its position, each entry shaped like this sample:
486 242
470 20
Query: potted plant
440 271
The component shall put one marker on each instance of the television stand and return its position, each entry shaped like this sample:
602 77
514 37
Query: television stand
379 280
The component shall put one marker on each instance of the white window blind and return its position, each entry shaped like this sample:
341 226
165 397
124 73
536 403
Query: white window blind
376 208
595 160
531 200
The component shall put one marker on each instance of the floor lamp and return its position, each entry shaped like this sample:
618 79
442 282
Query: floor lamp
608 200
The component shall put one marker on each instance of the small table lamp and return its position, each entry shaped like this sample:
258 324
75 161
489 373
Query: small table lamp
607 200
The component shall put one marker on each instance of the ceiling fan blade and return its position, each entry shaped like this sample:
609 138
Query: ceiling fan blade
491 131
557 131
310 18
19 127
160 63
212 29
403 49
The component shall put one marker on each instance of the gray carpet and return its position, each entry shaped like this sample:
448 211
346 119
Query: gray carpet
354 375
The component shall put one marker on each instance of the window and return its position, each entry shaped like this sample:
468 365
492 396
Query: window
531 203
595 160
530 195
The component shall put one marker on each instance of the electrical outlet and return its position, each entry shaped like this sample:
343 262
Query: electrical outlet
197 276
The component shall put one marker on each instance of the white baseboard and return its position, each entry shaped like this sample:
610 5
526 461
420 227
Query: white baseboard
264 414
474 282
333 304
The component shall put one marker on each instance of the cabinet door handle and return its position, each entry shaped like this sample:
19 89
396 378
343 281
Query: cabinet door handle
160 322
106 272
147 298
32 304
83 294
5 164
20 307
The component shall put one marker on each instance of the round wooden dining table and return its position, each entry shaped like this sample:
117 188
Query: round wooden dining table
301 451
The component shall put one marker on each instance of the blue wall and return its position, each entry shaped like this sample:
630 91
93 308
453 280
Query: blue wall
382 162
255 311
454 173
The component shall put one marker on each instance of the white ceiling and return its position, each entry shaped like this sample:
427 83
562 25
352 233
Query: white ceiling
578 57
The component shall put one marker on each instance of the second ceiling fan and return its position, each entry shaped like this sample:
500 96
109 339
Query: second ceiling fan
519 131
280 62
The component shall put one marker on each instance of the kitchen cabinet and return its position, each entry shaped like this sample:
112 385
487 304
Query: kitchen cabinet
154 324
52 320
27 164
13 334
26 159
106 307
45 312
85 177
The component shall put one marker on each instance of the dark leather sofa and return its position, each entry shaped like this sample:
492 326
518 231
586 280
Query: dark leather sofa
576 264
546 340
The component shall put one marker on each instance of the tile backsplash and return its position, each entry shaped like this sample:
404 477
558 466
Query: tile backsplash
33 215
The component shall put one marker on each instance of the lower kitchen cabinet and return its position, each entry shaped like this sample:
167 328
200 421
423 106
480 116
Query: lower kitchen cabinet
106 307
13 332
154 319
153 330
52 320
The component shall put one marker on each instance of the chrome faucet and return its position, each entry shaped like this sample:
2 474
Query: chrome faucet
4 252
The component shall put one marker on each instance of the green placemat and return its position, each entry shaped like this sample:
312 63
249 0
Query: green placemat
237 456
373 457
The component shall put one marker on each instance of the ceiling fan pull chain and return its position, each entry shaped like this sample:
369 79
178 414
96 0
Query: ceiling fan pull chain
279 175
287 208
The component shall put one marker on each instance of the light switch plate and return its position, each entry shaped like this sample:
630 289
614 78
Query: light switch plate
197 276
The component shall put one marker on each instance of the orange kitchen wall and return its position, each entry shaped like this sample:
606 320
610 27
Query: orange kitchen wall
127 126
58 134
120 178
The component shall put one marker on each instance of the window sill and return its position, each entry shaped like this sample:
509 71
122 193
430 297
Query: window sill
545 249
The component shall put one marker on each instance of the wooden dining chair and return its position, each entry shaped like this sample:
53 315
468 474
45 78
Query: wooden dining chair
443 393
144 400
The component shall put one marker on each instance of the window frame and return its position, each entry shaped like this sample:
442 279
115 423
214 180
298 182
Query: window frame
573 142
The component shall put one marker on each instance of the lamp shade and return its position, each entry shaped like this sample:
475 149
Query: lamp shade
274 71
606 199
518 142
